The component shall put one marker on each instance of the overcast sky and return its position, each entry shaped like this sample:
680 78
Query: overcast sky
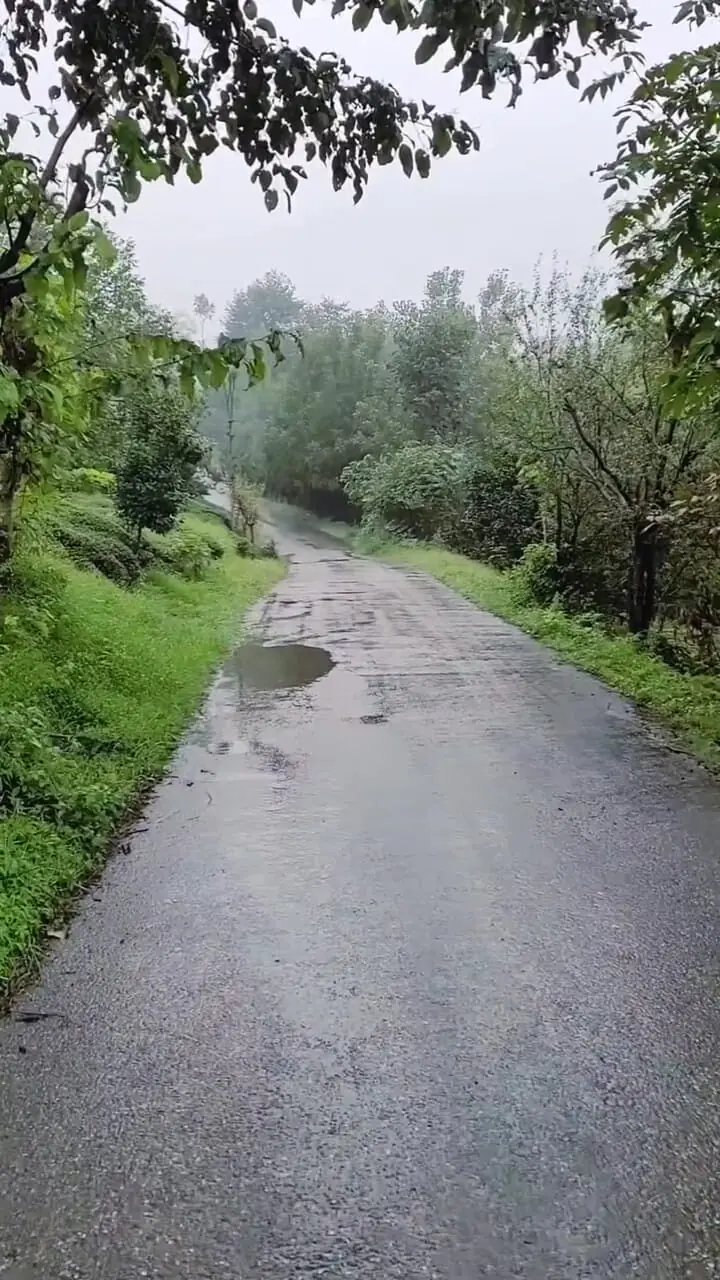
528 192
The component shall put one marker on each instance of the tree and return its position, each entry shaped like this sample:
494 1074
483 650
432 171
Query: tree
433 345
205 310
268 303
664 230
155 478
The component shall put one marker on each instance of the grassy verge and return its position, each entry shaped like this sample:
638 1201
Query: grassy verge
97 683
688 705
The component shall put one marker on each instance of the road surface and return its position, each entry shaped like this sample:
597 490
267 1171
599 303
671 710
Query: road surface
413 971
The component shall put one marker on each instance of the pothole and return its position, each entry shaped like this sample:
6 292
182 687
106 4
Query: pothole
278 666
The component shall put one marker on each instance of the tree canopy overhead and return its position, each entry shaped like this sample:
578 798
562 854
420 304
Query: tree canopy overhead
160 85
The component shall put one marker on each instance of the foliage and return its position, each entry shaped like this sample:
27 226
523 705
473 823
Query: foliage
155 477
537 572
268 303
76 752
501 517
665 230
89 480
417 492
433 346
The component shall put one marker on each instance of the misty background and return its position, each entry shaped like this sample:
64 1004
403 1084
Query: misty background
530 191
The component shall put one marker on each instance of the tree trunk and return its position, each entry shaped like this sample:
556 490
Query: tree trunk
642 593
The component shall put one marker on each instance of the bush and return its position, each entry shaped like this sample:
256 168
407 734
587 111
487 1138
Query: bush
95 539
418 491
90 480
255 550
537 572
190 554
502 515
215 547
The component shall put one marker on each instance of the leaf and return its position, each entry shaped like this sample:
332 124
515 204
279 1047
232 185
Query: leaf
9 396
361 17
264 24
297 6
170 72
194 171
405 156
12 123
271 200
422 162
573 79
427 48
442 139
250 10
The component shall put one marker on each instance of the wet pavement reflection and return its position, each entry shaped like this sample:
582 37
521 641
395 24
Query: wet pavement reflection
278 666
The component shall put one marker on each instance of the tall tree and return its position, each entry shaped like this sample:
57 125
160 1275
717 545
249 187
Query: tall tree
433 344
268 303
204 310
664 229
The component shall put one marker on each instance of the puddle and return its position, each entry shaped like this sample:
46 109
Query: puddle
278 666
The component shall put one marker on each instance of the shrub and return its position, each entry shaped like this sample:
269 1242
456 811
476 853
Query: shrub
190 554
502 514
537 572
417 492
216 548
97 540
90 480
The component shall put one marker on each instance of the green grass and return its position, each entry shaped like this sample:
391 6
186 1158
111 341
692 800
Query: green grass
688 705
97 684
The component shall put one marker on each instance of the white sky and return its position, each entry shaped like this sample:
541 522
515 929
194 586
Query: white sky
529 191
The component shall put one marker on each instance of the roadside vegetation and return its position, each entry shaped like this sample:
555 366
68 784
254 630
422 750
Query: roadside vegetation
98 680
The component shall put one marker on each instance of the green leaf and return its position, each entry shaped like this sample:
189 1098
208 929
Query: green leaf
194 171
37 285
362 16
170 72
442 139
405 156
427 48
422 162
9 396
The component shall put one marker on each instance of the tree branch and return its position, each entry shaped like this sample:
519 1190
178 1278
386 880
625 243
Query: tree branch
595 452
11 256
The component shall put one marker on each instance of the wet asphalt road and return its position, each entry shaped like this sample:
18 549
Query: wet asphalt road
413 973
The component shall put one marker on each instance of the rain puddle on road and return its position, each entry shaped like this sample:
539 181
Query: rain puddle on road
278 666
